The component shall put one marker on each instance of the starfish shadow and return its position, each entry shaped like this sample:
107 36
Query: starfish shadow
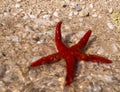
67 39
89 44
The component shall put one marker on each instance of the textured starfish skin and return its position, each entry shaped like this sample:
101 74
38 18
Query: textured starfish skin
70 54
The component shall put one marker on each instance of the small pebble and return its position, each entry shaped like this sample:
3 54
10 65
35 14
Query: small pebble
56 14
1 84
110 25
57 20
100 51
96 88
74 5
47 16
94 15
15 38
6 13
40 41
75 12
78 8
28 28
114 47
83 13
91 5
105 78
32 16
36 58
17 6
81 19
110 10
25 16
19 1
67 27
71 13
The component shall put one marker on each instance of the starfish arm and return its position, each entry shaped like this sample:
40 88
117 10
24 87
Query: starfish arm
70 65
59 44
96 58
48 59
81 44
92 58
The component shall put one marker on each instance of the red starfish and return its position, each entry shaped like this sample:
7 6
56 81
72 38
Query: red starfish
71 55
